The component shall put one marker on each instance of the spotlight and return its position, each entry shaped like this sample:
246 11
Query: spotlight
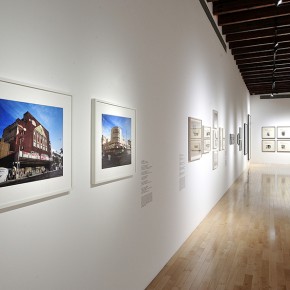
279 2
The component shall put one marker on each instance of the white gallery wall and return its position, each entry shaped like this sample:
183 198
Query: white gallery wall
268 113
161 58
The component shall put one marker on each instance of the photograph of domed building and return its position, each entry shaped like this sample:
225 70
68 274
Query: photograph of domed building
116 141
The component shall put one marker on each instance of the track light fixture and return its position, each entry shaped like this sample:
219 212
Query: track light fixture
279 3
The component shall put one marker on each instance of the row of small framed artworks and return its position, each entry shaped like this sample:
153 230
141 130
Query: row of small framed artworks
199 139
271 145
271 132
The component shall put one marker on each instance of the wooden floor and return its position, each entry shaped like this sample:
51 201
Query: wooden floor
243 243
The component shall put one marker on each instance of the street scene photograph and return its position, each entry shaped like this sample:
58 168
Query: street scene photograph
116 141
31 142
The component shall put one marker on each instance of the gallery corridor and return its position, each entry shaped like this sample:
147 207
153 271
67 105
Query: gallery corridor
243 243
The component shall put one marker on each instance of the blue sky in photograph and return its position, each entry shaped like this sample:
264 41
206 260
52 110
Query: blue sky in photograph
110 121
51 118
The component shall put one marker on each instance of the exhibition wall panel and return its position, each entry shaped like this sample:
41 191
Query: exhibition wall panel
269 113
160 58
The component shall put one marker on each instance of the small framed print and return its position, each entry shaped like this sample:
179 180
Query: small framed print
220 139
268 146
113 142
195 150
283 146
215 139
215 156
283 132
206 132
240 143
206 145
215 119
232 139
268 132
195 126
194 139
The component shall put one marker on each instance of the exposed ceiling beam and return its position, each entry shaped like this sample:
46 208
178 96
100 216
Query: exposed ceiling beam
251 15
260 41
257 34
222 7
257 24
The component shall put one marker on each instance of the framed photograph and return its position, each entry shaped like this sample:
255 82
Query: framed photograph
206 145
249 136
268 146
215 119
283 132
240 141
268 132
194 139
195 128
215 139
283 146
215 155
113 142
35 144
220 139
195 150
206 132
206 139
245 138
232 139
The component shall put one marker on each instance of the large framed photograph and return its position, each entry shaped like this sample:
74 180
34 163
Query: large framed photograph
113 142
283 146
35 144
268 146
283 132
268 132
194 139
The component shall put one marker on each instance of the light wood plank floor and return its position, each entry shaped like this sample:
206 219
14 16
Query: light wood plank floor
243 243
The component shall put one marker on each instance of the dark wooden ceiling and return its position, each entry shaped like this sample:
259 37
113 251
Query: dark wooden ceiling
258 34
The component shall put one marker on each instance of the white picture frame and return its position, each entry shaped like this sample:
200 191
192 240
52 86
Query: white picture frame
283 146
194 139
42 120
215 156
113 142
215 119
283 132
206 139
268 146
268 132
215 139
246 134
